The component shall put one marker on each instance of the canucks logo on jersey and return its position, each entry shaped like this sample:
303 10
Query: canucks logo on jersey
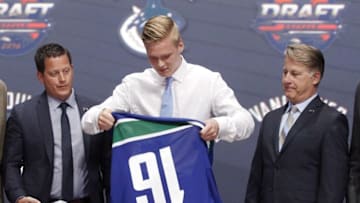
160 160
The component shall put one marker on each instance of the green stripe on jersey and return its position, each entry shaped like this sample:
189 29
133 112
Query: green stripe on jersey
133 128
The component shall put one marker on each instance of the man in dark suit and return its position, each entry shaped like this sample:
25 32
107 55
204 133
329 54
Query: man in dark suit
354 181
38 132
302 151
3 102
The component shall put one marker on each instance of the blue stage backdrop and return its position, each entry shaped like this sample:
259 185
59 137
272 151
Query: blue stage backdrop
243 40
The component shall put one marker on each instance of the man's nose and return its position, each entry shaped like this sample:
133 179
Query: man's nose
160 63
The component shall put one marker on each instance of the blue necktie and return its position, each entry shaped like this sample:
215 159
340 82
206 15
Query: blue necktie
67 159
167 101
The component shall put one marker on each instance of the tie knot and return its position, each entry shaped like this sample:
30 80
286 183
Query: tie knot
63 106
168 80
293 109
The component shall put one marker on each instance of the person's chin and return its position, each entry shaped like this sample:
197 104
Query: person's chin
288 95
63 95
165 75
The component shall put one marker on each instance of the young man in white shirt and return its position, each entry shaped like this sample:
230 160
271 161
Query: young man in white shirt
198 93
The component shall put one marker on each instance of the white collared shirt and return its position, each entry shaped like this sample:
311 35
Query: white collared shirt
300 106
198 93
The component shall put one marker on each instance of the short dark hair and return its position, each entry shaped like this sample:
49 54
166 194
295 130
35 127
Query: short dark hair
48 51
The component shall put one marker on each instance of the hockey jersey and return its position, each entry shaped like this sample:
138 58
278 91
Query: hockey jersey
160 160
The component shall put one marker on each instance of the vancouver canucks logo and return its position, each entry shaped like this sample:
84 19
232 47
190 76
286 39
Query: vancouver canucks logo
23 25
131 28
314 22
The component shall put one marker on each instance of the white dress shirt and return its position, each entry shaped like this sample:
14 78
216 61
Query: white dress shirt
198 93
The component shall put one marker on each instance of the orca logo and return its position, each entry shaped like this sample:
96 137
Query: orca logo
316 22
130 30
23 25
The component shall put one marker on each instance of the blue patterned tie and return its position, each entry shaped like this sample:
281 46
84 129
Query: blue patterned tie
167 101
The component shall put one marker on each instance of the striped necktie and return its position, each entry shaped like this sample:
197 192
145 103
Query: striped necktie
287 125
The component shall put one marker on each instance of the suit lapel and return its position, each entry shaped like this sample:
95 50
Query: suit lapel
83 107
44 121
276 132
305 117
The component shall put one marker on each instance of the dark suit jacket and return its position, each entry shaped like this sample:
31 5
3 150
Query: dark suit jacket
312 165
354 182
3 103
29 143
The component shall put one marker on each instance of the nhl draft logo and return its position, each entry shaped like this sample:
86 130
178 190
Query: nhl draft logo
314 22
130 30
23 25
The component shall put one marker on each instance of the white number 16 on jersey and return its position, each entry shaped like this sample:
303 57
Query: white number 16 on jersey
153 181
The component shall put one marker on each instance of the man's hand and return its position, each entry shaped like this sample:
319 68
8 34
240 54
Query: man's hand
27 199
106 120
210 131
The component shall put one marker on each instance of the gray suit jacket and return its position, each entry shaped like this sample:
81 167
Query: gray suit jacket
29 143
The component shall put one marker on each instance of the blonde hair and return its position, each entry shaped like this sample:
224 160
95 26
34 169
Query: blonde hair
158 28
307 55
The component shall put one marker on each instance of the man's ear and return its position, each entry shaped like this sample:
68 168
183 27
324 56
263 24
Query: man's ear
40 77
181 45
316 78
